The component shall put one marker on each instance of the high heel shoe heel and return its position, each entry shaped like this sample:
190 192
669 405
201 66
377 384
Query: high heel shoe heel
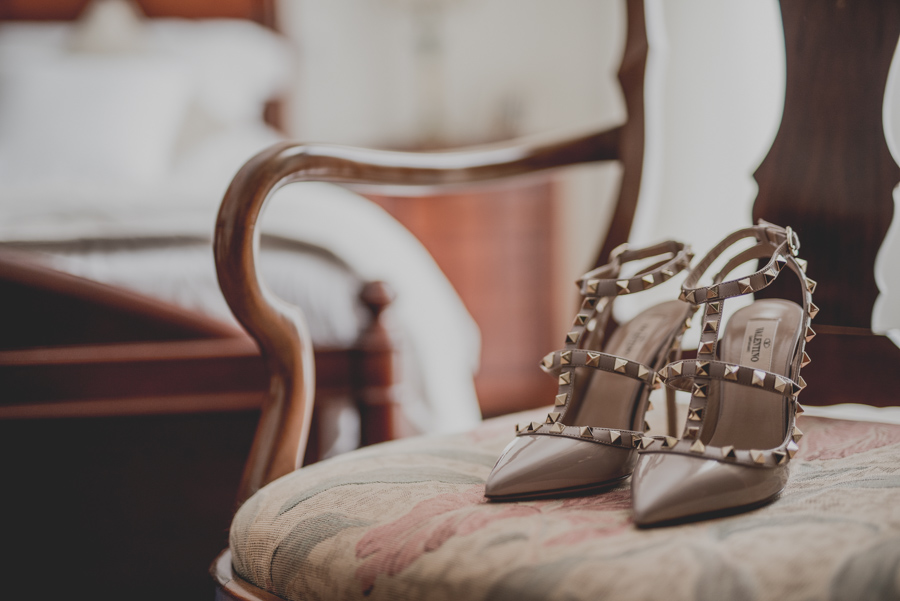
591 437
741 428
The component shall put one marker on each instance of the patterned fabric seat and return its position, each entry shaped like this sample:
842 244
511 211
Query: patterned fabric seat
408 520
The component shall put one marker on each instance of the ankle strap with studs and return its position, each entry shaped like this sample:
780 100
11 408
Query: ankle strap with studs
781 246
596 286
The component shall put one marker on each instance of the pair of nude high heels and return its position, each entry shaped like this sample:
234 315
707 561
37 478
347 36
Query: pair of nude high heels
740 433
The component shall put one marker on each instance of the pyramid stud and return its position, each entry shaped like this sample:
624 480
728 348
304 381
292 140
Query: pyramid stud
780 262
560 400
535 426
692 433
572 337
781 384
731 372
518 428
593 359
803 263
687 322
744 286
621 364
811 285
557 428
643 372
813 310
657 382
810 333
799 409
615 437
796 434
586 432
690 296
796 388
698 447
592 286
711 327
770 274
565 358
801 382
706 348
780 457
757 456
695 415
728 452
552 418
676 368
646 441
636 441
712 292
646 426
714 308
806 360
699 390
702 368
581 319
792 449
647 281
565 378
622 287
758 378
649 406
664 372
589 303
668 273
669 442
547 361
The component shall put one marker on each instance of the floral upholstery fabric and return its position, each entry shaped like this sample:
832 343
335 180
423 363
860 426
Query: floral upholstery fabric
408 520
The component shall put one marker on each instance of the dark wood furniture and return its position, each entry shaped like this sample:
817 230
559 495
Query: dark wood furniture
828 175
145 410
501 237
286 348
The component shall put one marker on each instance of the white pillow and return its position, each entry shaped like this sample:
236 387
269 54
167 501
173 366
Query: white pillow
90 117
236 65
84 116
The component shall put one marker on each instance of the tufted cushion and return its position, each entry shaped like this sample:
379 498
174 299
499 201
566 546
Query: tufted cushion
407 520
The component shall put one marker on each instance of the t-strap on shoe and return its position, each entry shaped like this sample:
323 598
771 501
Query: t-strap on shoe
590 439
740 432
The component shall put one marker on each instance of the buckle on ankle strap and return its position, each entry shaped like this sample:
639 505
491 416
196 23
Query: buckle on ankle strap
793 240
617 251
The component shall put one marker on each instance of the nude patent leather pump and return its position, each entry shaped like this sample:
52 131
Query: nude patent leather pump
741 430
591 437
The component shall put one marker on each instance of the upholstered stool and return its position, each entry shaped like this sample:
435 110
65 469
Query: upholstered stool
408 520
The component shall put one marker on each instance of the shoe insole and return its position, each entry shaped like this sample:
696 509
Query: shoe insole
610 400
762 335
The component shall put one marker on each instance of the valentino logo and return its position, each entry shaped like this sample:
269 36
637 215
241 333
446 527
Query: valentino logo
756 342
759 335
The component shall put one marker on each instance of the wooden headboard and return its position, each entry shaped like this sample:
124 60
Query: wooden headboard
261 11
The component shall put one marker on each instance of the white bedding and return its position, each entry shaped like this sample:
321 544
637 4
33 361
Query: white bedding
42 206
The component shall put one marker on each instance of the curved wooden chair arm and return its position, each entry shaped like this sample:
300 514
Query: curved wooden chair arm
279 328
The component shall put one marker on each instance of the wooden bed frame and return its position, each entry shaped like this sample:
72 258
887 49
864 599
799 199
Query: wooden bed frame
162 343
97 374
